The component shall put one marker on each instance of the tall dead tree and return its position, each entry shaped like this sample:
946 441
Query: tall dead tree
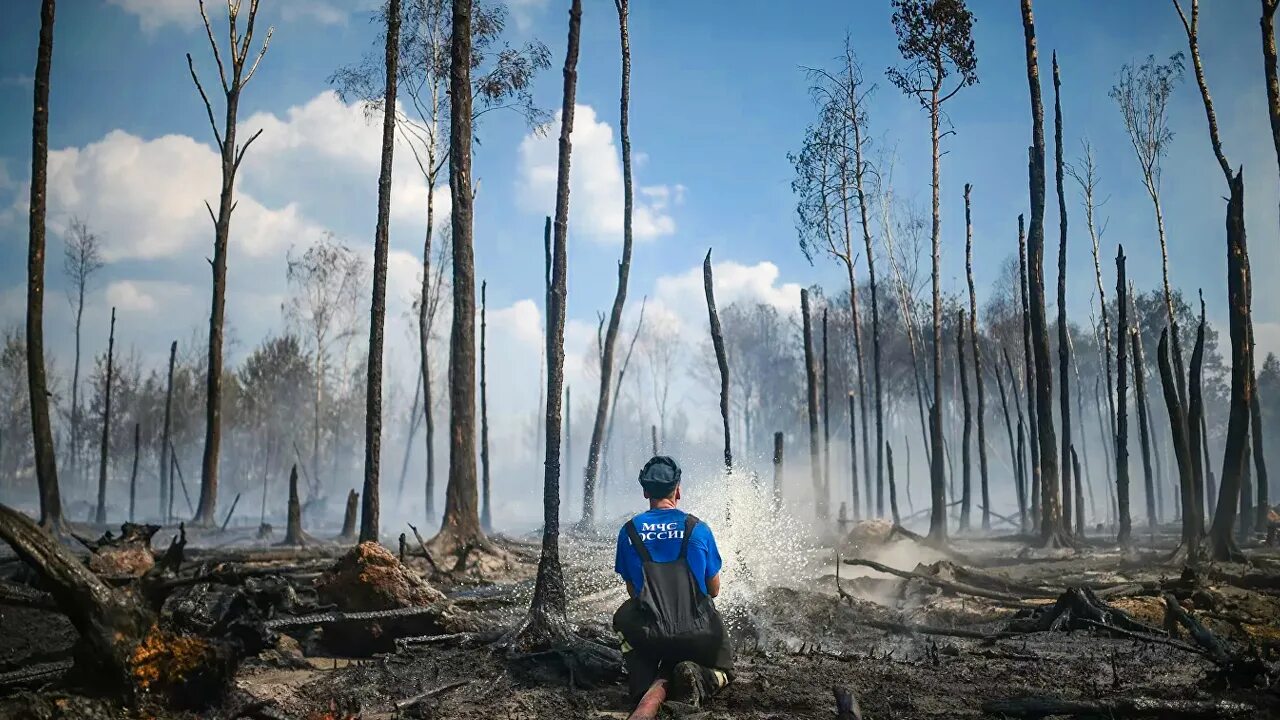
378 307
853 457
591 473
1140 395
166 481
1192 513
37 383
81 260
966 487
935 38
485 516
1064 332
977 364
460 525
1014 457
1122 403
233 83
1273 113
1052 532
722 360
100 516
1029 382
826 414
133 476
811 385
548 612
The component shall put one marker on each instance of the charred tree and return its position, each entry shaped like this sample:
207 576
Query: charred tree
1020 480
1192 513
1014 458
1051 529
1140 395
722 361
460 526
1064 332
977 365
1122 402
133 475
37 383
1273 113
777 471
1075 466
548 622
81 260
966 488
166 480
1029 382
485 517
1195 421
378 307
349 516
232 83
811 385
592 470
826 415
893 486
293 534
1259 457
853 458
100 516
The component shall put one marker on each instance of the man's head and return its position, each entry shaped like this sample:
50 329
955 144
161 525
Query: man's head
660 478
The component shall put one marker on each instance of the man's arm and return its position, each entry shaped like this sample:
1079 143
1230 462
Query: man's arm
713 586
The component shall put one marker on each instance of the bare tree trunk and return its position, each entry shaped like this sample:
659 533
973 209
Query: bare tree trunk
426 320
293 534
937 474
461 523
1140 393
653 438
826 415
1064 332
966 488
1240 297
349 517
1195 423
1273 113
977 363
1084 447
777 471
1192 520
37 384
853 459
1051 530
1029 383
548 614
76 471
859 187
378 308
100 516
408 443
893 486
485 516
1246 498
1014 460
811 385
166 482
1122 403
133 476
568 445
717 342
1020 481
1075 465
231 156
1259 458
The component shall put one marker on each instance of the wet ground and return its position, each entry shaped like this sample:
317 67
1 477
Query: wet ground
795 641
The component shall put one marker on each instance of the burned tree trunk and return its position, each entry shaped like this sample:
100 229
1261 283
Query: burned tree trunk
349 516
1029 382
1014 459
977 366
853 459
460 525
893 486
547 621
1192 520
100 516
293 534
166 480
133 476
485 517
1020 480
378 307
826 414
966 488
1122 411
37 383
777 471
1259 458
722 361
1064 332
1051 530
231 156
1195 421
1246 498
811 385
1140 394
1240 298
1075 466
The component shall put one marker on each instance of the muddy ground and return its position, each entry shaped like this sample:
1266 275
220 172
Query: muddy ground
885 637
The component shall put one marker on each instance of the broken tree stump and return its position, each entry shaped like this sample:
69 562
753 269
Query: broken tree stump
349 517
293 534
126 555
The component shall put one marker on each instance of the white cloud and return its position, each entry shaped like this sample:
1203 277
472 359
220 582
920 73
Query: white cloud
685 296
524 12
128 296
319 11
596 206
154 14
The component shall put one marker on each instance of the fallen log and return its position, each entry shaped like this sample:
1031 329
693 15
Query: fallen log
422 545
14 595
948 585
1141 707
411 701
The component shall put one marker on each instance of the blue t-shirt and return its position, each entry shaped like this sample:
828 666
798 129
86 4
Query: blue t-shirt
662 532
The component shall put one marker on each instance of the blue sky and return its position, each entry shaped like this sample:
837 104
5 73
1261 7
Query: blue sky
718 99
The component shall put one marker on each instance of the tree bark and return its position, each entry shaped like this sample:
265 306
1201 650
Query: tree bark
485 516
1192 520
717 342
548 614
1259 457
1064 331
166 480
100 516
1014 460
1240 298
1029 382
1140 393
1020 481
777 472
461 523
811 385
966 488
133 476
349 516
426 319
293 534
853 458
893 486
378 307
826 415
1051 529
937 473
1122 403
977 364
37 384
1195 421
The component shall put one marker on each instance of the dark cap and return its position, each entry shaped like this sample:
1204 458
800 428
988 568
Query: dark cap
659 475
